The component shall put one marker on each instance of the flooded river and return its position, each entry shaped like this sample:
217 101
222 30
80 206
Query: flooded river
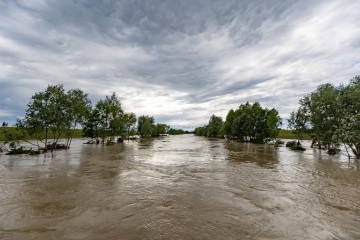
179 187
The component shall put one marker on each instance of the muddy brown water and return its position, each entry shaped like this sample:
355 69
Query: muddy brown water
179 187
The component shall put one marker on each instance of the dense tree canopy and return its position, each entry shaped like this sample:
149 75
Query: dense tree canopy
54 112
247 123
331 116
215 127
252 123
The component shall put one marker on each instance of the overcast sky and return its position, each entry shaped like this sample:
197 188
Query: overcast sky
180 61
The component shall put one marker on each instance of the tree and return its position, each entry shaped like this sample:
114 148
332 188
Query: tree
298 122
324 111
348 131
201 131
331 115
162 128
77 107
214 126
45 114
108 116
92 124
147 128
129 121
142 119
273 122
251 122
230 117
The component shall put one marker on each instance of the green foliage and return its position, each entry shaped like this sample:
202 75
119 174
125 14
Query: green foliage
348 131
76 109
331 116
142 119
289 134
54 113
129 122
298 122
214 127
295 145
201 131
173 131
147 128
162 128
13 136
109 116
107 120
324 110
252 123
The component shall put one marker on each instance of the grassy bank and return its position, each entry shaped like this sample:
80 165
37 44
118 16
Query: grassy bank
283 134
77 134
288 134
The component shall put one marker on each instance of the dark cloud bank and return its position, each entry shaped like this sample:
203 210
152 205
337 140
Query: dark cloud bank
180 61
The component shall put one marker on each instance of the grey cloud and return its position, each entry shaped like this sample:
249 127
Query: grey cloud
192 52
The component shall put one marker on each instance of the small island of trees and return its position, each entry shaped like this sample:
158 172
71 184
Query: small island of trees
55 114
330 115
248 123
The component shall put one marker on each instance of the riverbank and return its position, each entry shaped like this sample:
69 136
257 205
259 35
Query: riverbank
283 134
78 133
288 134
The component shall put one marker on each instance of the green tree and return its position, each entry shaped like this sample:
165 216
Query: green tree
142 119
230 117
147 128
348 131
92 124
298 123
77 107
324 110
162 128
129 121
273 122
251 122
108 116
214 126
45 114
201 131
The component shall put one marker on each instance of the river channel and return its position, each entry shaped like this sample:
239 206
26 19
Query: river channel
179 187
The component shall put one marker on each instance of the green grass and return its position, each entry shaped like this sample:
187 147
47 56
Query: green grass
77 134
288 134
283 134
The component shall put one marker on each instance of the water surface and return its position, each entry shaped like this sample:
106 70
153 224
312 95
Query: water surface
179 187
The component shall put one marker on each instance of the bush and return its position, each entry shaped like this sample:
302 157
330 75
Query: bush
293 145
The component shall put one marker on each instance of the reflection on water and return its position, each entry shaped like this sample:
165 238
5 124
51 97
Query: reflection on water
179 187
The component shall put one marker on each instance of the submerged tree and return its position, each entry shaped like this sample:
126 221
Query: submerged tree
331 115
129 122
106 119
348 131
298 123
44 117
77 107
54 113
146 126
252 123
323 108
215 127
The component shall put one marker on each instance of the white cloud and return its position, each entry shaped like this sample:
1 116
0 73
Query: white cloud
179 61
